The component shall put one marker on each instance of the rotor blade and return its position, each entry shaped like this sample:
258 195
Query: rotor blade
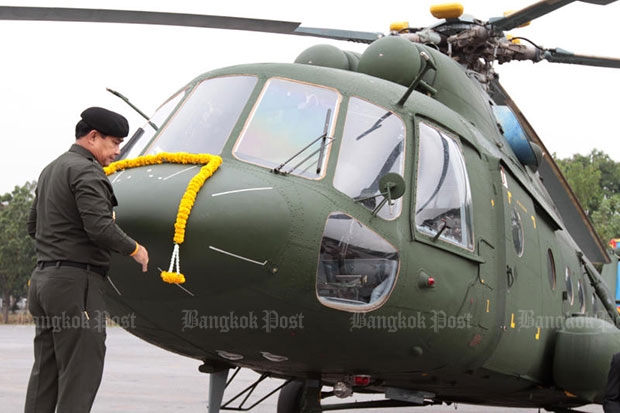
599 2
563 56
145 17
349 35
535 11
527 14
179 19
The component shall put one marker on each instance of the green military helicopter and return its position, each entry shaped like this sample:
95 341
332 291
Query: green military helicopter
380 222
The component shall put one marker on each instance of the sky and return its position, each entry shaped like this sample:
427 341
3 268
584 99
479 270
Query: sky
51 72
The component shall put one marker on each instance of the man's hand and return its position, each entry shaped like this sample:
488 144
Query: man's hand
142 257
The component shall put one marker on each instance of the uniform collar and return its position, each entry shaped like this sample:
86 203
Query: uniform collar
82 151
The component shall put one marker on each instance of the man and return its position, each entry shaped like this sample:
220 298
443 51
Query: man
611 403
72 223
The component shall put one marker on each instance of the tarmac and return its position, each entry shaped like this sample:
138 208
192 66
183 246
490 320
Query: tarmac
140 377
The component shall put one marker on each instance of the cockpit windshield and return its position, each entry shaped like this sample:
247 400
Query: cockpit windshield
205 119
372 146
291 124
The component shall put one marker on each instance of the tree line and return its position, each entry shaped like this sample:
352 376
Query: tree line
17 255
595 179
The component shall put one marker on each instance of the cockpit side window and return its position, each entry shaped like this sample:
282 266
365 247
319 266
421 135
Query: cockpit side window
373 144
205 120
135 147
357 267
443 207
290 128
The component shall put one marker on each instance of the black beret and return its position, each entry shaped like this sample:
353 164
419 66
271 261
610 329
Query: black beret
107 122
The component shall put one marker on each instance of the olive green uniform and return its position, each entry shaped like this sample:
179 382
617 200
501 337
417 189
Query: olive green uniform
73 226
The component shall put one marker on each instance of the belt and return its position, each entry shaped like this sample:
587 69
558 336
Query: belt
99 269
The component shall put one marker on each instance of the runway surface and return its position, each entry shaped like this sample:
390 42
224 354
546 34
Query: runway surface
140 377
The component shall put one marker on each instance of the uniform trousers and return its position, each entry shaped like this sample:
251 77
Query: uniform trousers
611 404
68 307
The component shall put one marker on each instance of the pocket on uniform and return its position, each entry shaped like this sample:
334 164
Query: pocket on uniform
94 302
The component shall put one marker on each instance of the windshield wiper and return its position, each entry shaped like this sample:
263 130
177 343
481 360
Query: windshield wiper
134 107
374 127
132 141
326 140
323 142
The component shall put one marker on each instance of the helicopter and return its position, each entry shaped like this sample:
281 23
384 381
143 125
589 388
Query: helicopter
379 222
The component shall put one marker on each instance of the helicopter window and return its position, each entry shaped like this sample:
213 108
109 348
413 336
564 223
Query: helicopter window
206 118
357 268
517 232
372 145
443 196
569 286
158 119
286 126
581 294
551 268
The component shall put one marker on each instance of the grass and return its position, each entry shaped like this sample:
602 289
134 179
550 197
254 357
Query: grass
25 318
18 318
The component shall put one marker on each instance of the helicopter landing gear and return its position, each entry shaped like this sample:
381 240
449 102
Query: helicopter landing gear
289 399
300 397
217 385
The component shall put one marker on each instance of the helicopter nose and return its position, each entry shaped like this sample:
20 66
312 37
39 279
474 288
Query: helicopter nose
236 231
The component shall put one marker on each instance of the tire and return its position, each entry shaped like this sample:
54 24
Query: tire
289 400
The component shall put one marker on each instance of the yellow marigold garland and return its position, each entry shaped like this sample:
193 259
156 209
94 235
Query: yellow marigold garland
210 162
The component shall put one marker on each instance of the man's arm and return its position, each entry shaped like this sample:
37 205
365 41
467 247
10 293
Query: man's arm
141 256
93 199
32 220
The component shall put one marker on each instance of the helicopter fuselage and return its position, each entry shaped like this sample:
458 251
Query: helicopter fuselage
300 260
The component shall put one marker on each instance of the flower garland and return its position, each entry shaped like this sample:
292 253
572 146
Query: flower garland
210 162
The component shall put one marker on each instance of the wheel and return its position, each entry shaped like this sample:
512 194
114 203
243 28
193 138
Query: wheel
289 400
